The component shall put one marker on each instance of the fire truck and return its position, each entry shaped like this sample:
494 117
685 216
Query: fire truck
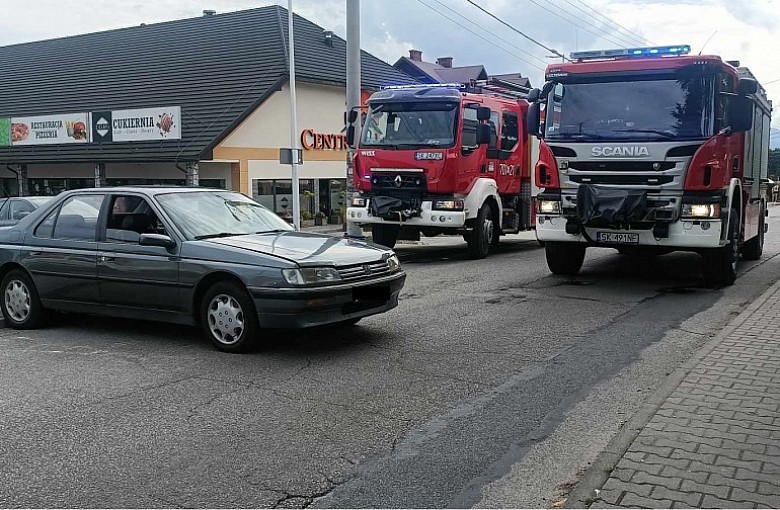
444 159
651 150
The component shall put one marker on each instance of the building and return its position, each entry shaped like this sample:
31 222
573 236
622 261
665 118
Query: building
444 72
197 101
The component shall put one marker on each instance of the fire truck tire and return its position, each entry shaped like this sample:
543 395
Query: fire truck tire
754 248
564 259
481 236
719 265
386 235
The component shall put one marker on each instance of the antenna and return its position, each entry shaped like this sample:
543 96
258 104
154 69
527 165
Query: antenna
708 41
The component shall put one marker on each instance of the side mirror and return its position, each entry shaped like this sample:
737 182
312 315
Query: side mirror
532 118
352 117
483 134
156 240
534 95
740 113
746 87
351 135
21 215
483 113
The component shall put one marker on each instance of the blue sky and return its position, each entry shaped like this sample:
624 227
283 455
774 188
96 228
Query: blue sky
745 30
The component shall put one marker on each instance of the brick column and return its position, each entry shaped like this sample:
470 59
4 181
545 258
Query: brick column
193 178
21 181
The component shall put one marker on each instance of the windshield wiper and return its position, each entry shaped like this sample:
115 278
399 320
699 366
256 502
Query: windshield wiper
274 231
667 134
221 234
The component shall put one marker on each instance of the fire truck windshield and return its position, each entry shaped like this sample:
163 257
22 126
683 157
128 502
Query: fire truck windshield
410 125
630 110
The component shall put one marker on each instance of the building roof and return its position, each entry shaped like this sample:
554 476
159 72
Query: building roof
428 72
516 79
218 68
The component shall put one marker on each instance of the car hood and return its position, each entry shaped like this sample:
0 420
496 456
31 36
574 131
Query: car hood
307 249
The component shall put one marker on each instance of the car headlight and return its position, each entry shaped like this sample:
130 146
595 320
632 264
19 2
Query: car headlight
394 264
448 205
311 275
358 202
701 210
548 207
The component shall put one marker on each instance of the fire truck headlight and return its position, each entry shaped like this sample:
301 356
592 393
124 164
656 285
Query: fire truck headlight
448 205
701 210
358 202
548 207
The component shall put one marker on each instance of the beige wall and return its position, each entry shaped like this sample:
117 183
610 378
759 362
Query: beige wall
255 143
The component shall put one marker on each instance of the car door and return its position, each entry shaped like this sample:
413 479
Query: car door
131 275
60 252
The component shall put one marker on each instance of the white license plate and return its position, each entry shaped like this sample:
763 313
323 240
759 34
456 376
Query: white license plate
613 238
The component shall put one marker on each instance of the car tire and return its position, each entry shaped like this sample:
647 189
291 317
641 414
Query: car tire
480 239
719 265
754 248
20 303
564 259
386 235
228 317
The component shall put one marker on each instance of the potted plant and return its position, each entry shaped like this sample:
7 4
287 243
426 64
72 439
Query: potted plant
335 216
319 218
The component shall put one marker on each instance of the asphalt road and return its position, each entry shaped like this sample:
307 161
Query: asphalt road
492 384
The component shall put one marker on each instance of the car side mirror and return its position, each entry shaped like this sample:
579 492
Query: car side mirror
351 135
156 240
483 134
532 119
21 215
740 114
483 113
534 95
747 86
352 117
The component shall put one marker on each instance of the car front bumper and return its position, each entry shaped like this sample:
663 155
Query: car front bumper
295 308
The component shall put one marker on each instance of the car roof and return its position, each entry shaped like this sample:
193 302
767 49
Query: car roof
145 190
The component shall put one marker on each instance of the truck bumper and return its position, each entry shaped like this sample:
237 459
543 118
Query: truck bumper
682 234
428 218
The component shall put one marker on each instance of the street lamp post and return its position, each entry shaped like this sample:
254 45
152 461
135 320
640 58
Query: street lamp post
296 188
353 100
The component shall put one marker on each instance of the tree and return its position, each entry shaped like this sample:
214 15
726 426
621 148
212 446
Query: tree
774 164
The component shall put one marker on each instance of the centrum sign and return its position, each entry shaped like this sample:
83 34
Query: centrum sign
145 124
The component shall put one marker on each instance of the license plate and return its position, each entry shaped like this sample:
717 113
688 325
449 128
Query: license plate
613 238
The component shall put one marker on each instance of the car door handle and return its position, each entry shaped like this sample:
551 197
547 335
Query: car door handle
104 258
36 253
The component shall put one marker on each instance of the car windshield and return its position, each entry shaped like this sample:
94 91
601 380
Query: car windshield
410 125
659 109
206 214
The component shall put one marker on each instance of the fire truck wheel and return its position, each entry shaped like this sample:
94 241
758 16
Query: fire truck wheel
386 235
564 259
754 248
481 236
720 264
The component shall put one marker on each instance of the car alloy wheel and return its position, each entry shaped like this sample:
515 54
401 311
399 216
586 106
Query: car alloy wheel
17 300
226 319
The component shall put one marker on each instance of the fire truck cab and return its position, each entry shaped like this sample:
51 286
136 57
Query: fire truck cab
650 150
443 159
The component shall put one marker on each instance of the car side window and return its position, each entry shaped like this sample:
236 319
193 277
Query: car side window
129 217
19 207
4 208
46 227
78 218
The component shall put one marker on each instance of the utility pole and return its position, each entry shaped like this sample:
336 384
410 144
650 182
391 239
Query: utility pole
353 101
296 183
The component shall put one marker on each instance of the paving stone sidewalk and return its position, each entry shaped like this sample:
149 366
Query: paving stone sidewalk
714 442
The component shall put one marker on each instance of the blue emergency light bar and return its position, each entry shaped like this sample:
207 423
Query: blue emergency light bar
652 51
425 86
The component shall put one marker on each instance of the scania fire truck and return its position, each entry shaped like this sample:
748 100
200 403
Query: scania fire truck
444 159
651 150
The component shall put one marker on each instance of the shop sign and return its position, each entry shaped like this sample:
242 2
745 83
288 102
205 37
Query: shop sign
137 125
5 131
50 129
311 140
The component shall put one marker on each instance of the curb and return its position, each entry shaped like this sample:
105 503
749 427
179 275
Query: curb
598 472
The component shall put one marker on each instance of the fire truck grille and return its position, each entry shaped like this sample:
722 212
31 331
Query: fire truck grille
393 184
621 166
625 180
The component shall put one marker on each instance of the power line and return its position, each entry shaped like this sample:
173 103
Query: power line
481 37
590 8
516 30
629 37
597 34
488 31
771 82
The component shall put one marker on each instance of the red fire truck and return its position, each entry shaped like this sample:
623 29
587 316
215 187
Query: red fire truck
444 159
651 150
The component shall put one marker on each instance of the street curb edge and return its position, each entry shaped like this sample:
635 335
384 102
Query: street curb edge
598 472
